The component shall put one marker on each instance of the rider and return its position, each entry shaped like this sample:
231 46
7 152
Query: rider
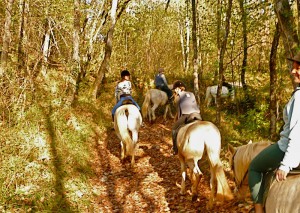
187 109
226 84
123 92
162 84
282 156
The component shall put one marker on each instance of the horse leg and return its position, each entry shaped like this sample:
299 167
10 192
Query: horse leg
154 107
183 175
195 176
134 140
209 98
122 151
166 111
170 112
212 183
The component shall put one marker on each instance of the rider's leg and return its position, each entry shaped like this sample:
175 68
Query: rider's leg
175 130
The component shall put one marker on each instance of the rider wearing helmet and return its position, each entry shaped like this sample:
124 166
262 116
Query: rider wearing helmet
162 84
187 109
123 92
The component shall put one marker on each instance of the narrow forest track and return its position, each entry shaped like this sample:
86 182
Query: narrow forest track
153 184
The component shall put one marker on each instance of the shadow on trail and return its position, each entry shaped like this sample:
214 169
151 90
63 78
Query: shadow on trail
60 202
122 181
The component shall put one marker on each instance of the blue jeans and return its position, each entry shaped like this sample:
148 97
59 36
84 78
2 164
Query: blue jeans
166 89
120 104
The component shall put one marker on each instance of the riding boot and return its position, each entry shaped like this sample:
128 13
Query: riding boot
174 136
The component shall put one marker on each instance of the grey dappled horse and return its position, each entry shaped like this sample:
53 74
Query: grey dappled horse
153 99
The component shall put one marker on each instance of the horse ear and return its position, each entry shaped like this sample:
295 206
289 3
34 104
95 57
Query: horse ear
231 149
250 142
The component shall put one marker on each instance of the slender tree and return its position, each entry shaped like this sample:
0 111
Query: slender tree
6 36
221 60
195 47
273 84
76 50
288 27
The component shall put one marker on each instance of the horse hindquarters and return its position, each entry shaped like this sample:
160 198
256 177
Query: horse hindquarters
123 124
284 196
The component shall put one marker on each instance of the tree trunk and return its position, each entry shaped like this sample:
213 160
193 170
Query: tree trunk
273 84
21 56
108 50
184 62
76 49
288 27
219 18
46 47
187 48
221 65
298 17
6 36
195 46
245 45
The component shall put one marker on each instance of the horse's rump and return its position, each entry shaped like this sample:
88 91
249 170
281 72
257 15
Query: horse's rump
284 196
193 136
128 119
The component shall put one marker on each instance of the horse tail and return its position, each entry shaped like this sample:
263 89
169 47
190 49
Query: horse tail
223 189
122 123
146 104
213 146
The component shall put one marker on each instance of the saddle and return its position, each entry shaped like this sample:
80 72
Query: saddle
127 101
192 117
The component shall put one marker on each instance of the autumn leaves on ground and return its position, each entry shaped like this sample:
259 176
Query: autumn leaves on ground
153 184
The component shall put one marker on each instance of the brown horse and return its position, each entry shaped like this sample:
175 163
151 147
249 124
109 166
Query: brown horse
127 122
193 139
282 196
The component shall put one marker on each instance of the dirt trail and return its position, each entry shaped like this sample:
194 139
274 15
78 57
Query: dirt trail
153 184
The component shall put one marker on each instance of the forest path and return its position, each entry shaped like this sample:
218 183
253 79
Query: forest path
153 184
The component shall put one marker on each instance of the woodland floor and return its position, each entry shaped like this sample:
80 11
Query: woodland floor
153 184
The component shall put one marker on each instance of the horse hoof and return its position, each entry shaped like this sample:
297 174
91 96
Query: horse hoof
194 198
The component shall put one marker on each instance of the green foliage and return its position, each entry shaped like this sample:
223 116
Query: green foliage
255 120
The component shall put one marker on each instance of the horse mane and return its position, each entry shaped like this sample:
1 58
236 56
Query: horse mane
243 157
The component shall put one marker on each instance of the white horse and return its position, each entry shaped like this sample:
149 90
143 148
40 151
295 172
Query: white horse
127 122
211 93
153 99
193 140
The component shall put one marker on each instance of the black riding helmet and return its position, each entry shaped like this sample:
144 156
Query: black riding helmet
125 73
178 84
